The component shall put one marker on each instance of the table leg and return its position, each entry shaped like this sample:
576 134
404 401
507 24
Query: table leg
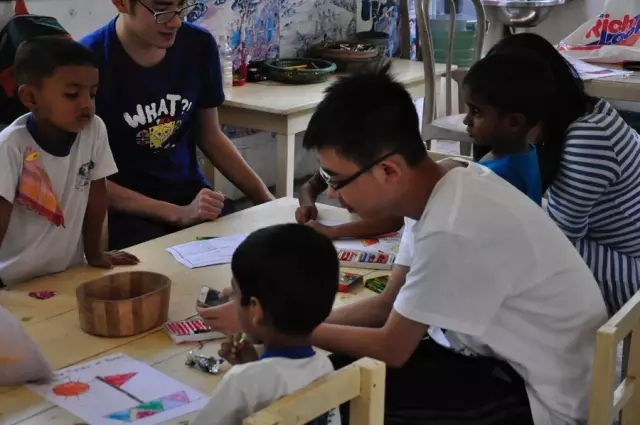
285 159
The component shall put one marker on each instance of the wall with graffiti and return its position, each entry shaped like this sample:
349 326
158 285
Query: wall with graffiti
286 28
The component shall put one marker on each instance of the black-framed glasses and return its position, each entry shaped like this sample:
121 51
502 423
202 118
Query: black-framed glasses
342 183
166 16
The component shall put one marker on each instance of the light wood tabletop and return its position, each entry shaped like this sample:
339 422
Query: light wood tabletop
286 109
615 88
54 324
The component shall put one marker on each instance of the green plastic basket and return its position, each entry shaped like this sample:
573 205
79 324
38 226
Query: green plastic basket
310 71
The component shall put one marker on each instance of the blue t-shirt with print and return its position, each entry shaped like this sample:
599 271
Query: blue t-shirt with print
151 112
521 170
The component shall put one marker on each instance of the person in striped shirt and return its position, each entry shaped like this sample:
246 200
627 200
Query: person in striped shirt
590 162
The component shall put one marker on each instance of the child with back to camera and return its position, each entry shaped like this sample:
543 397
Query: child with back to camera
499 119
53 164
280 295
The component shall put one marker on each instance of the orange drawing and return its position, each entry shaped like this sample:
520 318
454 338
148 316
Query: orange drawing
71 389
370 242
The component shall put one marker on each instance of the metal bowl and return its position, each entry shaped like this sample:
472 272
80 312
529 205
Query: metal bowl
522 13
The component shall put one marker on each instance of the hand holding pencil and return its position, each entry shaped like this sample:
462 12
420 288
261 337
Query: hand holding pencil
238 350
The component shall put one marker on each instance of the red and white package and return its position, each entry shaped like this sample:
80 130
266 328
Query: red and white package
611 37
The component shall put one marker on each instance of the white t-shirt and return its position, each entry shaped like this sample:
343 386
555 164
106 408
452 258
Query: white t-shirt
487 264
248 388
32 245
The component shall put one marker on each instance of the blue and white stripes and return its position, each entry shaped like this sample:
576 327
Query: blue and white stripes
595 200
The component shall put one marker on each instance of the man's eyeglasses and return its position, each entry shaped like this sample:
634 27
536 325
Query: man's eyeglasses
342 183
166 16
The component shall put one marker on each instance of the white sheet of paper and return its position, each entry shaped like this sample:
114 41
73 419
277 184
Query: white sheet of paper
20 358
208 252
118 389
589 71
387 244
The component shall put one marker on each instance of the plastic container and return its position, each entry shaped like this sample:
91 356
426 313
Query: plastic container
226 61
464 39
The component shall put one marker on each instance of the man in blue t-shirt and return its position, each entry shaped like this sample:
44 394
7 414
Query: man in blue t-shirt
160 87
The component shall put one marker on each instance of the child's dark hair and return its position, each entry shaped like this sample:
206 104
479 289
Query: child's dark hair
512 83
570 101
40 57
293 271
366 115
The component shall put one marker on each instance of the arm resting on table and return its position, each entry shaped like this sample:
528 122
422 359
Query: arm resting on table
127 201
223 154
311 189
94 218
373 311
6 208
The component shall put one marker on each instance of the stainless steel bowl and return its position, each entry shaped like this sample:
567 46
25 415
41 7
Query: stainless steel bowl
522 13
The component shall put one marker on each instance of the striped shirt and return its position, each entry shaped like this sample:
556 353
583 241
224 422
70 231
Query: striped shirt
595 200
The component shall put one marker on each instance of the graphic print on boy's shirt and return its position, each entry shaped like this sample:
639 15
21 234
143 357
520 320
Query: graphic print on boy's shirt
151 112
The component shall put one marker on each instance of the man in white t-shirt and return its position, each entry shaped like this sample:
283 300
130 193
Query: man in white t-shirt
509 307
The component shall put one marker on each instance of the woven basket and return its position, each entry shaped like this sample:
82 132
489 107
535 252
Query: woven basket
123 304
346 60
299 70
376 38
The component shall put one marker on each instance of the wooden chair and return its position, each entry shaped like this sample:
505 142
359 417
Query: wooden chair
437 156
361 383
607 399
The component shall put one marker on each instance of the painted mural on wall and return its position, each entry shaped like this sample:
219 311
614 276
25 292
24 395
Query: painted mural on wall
256 22
286 28
304 23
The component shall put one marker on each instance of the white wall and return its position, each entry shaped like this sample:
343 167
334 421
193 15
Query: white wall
77 16
562 21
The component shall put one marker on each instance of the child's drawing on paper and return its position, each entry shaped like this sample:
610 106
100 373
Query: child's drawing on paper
119 390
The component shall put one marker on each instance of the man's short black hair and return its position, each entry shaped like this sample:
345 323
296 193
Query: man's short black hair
514 82
366 115
293 271
40 57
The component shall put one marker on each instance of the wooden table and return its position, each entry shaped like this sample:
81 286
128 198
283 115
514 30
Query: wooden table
54 325
615 88
286 110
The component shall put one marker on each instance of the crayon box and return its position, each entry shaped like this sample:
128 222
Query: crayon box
348 281
377 284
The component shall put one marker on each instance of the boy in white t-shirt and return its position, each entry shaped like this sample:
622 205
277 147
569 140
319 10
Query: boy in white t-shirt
53 164
510 308
281 294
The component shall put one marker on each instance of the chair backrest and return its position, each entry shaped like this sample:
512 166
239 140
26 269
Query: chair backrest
361 383
608 398
437 156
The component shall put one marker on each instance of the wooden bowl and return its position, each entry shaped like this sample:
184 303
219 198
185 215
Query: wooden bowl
123 304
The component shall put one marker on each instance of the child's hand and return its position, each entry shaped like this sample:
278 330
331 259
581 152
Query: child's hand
305 213
238 350
107 260
328 231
